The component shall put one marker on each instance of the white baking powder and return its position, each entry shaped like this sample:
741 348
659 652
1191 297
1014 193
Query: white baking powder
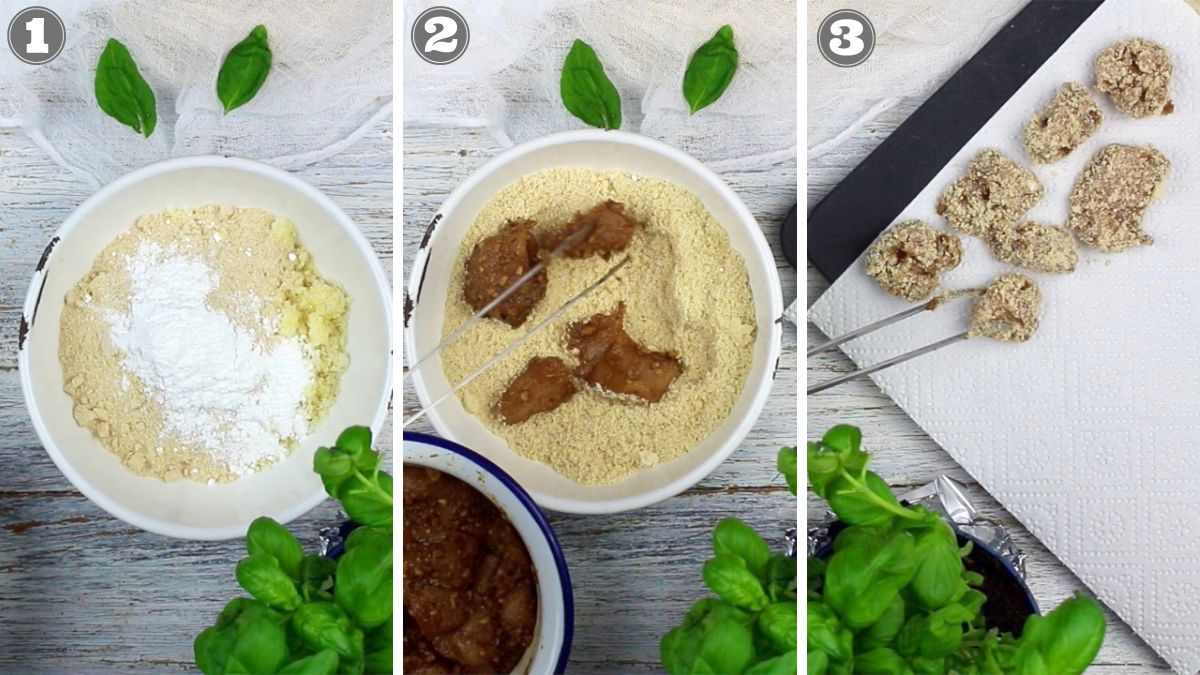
221 388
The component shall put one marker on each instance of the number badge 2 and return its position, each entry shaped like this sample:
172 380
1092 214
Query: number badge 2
440 35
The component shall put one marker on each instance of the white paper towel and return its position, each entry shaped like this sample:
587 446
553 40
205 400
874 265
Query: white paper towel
1088 433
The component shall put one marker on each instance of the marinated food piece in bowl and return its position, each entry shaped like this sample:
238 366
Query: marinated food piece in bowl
613 361
1111 196
496 263
1034 246
686 292
1065 123
908 259
470 589
203 344
1136 75
994 191
611 231
545 384
1008 310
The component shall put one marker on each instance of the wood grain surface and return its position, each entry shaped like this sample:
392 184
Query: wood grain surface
80 591
635 574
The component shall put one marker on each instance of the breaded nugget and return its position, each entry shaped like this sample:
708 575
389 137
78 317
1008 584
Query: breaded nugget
610 359
1136 75
542 386
498 261
1065 123
994 191
1112 193
1034 246
908 259
1008 310
612 232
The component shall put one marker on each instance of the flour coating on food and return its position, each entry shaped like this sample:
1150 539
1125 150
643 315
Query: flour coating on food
686 293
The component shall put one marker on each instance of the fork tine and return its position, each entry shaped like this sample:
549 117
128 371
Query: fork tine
869 328
888 363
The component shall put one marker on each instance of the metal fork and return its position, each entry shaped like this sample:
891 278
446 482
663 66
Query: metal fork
928 306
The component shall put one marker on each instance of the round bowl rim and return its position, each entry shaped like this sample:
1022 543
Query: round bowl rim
774 300
539 518
33 296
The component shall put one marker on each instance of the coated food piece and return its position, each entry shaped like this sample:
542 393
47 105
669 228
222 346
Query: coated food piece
1034 246
1136 75
908 259
498 261
1112 193
994 191
612 232
543 385
1008 310
611 360
470 603
1064 124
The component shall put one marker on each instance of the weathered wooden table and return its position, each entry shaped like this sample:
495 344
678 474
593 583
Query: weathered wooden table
903 454
80 591
636 573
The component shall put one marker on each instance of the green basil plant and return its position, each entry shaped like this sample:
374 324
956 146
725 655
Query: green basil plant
895 599
750 627
307 614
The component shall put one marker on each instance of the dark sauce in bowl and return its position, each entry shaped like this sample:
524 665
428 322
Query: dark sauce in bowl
470 589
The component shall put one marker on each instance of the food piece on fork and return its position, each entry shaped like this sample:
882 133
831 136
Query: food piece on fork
611 233
498 261
1008 310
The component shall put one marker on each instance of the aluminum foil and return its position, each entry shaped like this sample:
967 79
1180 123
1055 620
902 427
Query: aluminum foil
947 497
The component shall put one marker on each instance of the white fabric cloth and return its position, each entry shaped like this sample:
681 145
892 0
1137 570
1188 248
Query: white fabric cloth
1087 433
919 44
330 81
508 79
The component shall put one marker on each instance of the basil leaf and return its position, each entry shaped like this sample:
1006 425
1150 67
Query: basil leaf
268 538
734 538
786 463
245 69
121 92
710 70
586 91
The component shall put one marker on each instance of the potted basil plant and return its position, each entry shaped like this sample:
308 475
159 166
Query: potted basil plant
895 598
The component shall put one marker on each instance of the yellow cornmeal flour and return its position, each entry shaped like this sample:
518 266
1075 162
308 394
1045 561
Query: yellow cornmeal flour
686 291
268 285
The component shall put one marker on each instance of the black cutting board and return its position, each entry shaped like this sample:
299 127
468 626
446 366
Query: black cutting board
847 220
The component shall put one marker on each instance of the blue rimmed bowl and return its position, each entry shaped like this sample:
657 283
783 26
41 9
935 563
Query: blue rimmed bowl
551 645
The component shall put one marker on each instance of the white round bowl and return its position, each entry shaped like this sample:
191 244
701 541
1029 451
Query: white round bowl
425 302
188 509
551 645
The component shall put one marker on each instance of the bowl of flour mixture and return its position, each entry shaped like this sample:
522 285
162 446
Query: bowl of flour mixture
695 311
193 333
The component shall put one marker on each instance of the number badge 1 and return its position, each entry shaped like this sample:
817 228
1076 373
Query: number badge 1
36 35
